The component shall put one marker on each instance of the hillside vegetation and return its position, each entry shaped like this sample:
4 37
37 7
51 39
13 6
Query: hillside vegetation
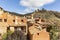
51 16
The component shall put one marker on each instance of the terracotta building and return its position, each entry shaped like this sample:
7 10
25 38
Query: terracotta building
37 30
10 21
35 27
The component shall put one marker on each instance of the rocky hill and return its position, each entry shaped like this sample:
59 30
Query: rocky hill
51 16
44 13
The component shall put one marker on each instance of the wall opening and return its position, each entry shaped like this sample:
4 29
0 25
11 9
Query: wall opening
5 20
0 20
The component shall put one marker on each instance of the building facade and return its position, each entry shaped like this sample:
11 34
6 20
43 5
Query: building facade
9 20
36 28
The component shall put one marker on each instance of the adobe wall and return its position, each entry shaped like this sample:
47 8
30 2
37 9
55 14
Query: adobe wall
41 36
7 19
36 34
3 30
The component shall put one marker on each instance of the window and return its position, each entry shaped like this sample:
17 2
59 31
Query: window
0 20
42 20
13 20
5 20
36 19
22 28
8 28
0 34
15 28
22 20
37 33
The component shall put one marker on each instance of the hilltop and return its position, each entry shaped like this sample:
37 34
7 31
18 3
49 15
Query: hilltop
50 16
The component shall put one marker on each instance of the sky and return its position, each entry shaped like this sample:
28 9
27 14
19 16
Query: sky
27 6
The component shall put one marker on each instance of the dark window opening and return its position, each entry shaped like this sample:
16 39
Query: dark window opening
5 20
42 20
22 20
0 20
15 28
23 28
8 28
36 19
37 33
48 28
13 20
0 34
43 27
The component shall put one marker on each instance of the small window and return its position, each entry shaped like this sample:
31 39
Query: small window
13 20
5 20
0 20
8 28
15 28
42 20
22 28
22 20
0 34
37 33
36 19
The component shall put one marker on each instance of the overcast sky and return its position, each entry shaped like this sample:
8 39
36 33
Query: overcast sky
27 6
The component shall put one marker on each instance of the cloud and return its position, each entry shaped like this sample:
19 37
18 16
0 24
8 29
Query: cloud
34 4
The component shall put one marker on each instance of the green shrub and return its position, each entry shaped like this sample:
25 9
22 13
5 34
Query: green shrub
6 34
